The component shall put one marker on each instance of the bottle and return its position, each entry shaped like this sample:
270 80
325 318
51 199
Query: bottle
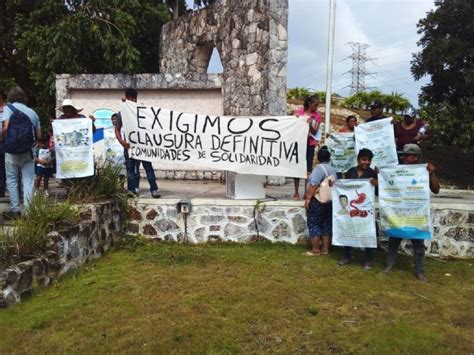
423 130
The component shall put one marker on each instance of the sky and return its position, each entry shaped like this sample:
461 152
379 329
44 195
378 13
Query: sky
387 26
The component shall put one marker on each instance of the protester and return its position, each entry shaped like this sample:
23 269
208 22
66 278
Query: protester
351 123
133 165
376 111
21 126
319 206
313 117
412 155
70 110
44 159
3 102
361 171
410 130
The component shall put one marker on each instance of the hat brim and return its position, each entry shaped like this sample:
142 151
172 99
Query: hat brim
408 153
78 109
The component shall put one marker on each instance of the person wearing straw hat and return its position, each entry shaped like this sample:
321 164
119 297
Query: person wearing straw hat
70 110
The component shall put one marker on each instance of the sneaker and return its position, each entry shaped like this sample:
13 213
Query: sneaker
46 193
11 215
420 276
368 266
387 270
343 261
155 194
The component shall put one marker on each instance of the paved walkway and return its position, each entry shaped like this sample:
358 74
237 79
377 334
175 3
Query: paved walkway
177 189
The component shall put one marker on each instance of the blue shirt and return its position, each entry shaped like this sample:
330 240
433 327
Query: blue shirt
318 174
26 110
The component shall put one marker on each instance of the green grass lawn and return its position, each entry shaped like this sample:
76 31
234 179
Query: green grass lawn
245 298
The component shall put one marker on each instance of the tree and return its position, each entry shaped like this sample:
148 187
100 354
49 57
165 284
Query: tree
395 102
47 37
447 57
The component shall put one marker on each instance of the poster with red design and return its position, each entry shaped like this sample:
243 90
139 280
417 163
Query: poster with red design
353 213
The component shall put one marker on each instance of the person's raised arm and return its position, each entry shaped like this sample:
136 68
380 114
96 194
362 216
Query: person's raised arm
434 181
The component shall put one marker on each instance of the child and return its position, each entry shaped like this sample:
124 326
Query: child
361 171
44 159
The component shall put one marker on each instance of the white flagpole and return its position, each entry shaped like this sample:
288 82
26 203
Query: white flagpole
332 25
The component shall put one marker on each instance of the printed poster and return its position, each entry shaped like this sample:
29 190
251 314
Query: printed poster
379 137
404 199
353 214
73 145
247 145
342 148
113 150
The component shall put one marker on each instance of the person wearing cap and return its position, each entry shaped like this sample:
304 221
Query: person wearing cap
376 111
410 130
70 110
133 165
411 155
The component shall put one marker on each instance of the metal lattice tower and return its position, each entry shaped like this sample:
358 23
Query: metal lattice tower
359 58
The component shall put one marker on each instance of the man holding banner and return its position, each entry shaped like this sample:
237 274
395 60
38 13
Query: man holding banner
133 165
405 206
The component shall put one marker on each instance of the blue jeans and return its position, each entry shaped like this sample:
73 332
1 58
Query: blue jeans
14 164
133 173
418 253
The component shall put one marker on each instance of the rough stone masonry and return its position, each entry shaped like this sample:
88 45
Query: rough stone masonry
252 40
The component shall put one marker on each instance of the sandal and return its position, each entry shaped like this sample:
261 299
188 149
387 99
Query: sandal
310 253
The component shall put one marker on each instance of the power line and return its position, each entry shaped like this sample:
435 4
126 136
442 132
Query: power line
359 58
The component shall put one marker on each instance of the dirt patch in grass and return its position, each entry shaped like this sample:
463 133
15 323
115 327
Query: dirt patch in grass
220 298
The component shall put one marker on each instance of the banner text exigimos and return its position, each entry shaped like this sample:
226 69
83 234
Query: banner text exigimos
248 145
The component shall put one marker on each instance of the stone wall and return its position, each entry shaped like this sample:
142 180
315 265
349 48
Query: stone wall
223 220
252 41
277 221
94 91
251 37
99 227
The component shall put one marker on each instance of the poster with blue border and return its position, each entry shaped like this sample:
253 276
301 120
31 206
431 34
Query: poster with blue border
404 199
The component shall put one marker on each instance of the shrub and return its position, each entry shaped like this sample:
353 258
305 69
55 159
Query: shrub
27 237
107 182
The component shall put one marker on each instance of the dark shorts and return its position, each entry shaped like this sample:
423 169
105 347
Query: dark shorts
42 171
319 219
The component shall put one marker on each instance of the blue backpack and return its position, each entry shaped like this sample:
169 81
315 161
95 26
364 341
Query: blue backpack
19 137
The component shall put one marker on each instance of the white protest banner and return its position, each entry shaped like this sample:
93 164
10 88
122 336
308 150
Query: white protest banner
342 148
247 145
73 145
353 216
379 137
404 199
